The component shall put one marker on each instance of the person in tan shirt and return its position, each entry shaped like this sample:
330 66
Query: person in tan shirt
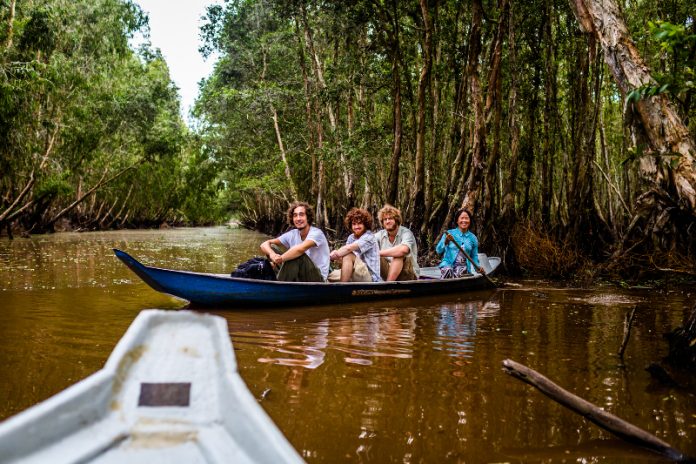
398 249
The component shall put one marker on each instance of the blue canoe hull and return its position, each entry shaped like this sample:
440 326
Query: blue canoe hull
224 291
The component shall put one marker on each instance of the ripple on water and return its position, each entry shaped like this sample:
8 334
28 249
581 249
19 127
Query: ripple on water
359 340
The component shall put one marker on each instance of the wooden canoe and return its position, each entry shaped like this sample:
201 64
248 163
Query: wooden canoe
169 392
221 290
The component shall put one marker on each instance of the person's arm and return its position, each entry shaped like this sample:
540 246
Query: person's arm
268 251
405 248
344 251
474 255
298 250
440 248
395 252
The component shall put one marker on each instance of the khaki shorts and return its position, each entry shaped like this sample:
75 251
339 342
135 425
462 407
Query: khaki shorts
360 273
407 273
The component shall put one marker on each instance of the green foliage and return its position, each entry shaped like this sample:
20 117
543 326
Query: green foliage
53 187
78 108
675 45
39 33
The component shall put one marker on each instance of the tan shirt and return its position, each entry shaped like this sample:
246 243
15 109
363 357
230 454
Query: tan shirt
403 237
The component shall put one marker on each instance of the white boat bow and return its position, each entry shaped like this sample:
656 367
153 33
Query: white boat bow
169 392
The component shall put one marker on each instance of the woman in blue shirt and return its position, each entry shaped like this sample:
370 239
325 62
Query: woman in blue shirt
454 264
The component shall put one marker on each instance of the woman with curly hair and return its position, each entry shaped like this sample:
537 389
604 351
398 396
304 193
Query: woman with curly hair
361 249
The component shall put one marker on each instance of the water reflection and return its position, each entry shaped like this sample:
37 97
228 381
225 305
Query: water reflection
456 326
360 340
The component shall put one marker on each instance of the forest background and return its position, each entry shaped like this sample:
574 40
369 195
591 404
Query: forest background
566 126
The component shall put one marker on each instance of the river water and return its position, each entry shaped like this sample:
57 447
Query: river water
410 380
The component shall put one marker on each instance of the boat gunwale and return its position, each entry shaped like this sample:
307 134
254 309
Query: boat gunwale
226 277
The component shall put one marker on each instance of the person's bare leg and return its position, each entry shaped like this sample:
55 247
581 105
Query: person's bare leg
397 264
347 264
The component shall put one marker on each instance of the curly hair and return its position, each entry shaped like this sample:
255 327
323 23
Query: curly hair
389 210
358 215
458 213
308 209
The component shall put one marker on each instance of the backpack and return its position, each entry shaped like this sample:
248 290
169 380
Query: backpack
255 268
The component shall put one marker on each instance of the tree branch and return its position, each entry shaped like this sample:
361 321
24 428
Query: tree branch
103 181
589 411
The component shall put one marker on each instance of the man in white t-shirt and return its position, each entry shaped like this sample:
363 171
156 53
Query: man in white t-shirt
307 255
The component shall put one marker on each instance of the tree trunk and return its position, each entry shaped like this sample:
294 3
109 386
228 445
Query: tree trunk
457 186
283 155
435 150
589 411
550 111
123 206
508 210
319 74
529 146
309 116
321 216
579 197
103 181
10 25
393 45
668 164
479 149
10 212
418 193
494 109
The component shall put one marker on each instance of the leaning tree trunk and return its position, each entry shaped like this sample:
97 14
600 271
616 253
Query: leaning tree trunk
668 163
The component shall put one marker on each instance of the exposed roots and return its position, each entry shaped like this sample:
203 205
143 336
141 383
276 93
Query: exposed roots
643 265
540 254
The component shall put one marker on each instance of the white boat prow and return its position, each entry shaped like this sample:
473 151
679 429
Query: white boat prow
169 392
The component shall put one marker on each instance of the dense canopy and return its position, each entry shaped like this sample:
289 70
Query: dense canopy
526 112
567 127
90 130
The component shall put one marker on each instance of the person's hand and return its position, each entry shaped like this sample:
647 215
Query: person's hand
335 256
448 239
276 259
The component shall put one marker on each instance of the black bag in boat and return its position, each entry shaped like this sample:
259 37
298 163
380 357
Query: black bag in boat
255 268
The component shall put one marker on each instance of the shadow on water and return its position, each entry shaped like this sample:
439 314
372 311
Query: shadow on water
409 380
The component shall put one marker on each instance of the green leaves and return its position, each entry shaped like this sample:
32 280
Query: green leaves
77 106
646 91
670 36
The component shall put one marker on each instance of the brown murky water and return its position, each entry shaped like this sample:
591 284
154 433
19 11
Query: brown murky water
413 380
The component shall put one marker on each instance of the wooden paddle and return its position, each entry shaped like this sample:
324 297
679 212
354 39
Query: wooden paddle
466 255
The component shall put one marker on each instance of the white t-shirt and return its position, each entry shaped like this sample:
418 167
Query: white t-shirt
318 254
368 251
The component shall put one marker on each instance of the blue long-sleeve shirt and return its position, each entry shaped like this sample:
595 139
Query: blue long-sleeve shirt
466 240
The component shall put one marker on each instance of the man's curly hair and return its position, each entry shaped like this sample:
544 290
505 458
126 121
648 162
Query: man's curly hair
389 210
358 215
308 209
